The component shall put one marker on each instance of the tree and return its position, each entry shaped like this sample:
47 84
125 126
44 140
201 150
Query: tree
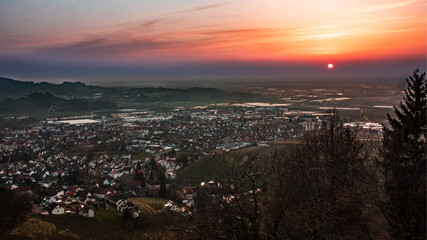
403 163
317 188
313 190
90 155
153 164
231 207
184 160
173 152
13 209
139 176
162 180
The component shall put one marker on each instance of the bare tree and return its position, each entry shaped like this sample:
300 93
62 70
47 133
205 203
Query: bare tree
312 190
317 190
231 207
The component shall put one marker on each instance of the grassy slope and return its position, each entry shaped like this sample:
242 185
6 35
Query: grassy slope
105 224
157 223
209 168
205 169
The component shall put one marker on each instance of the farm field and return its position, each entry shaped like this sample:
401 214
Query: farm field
148 206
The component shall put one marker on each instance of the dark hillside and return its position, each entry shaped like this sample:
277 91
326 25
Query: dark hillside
10 88
46 102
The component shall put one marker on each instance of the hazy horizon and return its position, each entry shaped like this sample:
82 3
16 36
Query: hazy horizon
132 41
220 72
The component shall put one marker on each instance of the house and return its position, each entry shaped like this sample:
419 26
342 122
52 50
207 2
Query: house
171 175
50 191
121 205
175 208
72 210
73 189
58 210
47 201
106 182
184 212
115 197
188 202
104 192
188 193
169 204
188 198
172 206
86 211
211 187
67 200
44 212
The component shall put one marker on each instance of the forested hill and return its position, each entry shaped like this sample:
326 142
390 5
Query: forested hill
47 103
30 97
10 89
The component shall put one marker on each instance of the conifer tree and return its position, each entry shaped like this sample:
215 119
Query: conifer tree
404 163
162 180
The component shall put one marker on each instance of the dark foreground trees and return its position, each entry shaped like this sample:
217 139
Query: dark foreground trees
314 190
403 164
232 207
317 191
13 209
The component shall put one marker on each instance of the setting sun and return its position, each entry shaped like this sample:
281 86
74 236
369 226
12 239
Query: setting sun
203 38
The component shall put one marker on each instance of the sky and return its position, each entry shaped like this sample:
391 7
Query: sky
135 40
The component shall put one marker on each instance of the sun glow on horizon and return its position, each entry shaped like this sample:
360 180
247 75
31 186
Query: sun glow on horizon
166 32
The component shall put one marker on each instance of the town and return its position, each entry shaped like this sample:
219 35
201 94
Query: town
78 165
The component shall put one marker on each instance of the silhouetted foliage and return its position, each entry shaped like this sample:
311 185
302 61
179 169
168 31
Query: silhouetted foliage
404 163
162 180
312 191
13 209
232 208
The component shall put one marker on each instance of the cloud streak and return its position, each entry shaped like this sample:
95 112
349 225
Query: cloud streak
192 10
202 8
386 6
197 34
129 42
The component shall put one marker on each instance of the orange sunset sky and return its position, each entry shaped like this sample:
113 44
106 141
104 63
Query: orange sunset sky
83 39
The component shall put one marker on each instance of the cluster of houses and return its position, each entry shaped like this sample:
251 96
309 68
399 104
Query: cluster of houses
171 206
74 200
48 176
232 146
187 203
203 129
196 130
70 200
55 162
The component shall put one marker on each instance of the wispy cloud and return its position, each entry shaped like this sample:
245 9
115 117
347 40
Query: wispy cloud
202 8
242 34
170 16
111 48
386 6
193 34
329 35
150 23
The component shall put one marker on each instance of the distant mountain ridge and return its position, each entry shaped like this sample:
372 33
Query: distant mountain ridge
22 97
47 103
10 88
